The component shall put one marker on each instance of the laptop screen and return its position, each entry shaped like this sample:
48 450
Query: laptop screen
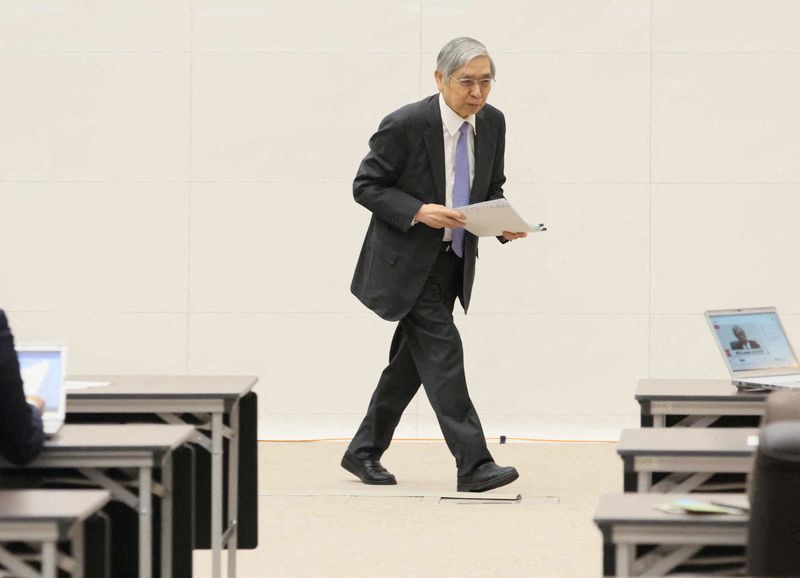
752 340
42 372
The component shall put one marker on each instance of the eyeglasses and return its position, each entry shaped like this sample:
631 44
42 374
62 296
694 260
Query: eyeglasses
470 83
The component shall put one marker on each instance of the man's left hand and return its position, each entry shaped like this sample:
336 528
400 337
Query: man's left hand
511 236
37 401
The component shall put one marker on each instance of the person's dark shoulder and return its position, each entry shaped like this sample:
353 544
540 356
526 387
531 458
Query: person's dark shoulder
415 109
492 114
4 330
411 115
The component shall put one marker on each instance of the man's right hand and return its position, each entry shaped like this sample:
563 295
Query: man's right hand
439 216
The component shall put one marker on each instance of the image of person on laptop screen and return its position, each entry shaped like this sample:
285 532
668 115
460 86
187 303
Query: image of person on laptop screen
21 429
741 340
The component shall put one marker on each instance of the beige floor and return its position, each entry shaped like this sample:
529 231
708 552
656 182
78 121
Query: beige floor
318 521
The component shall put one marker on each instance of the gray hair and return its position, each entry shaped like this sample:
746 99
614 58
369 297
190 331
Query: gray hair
458 52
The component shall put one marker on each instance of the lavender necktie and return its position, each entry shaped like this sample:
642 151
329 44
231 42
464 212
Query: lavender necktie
461 185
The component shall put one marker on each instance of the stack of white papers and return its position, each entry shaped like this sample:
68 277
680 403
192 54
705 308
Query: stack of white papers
491 218
74 385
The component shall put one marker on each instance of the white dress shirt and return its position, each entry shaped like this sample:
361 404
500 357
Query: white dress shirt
451 122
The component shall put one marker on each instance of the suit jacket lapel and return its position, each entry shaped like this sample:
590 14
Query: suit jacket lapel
434 142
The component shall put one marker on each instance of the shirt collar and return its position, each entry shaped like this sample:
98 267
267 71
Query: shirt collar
451 121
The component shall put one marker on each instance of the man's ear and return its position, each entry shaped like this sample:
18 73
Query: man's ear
439 79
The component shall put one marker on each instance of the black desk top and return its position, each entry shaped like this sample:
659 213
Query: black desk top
693 390
110 442
128 436
50 505
163 387
641 509
727 442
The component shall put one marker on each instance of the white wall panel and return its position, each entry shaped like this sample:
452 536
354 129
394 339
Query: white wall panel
540 25
554 364
684 346
303 426
307 26
725 25
110 343
575 118
307 363
726 118
94 117
94 246
96 25
541 426
594 257
275 247
292 117
721 246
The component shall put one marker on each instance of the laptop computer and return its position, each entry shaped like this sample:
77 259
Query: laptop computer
43 369
755 348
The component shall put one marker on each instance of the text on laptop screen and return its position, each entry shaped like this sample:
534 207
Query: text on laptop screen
41 375
752 341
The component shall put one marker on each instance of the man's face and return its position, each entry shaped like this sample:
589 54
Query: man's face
466 101
740 335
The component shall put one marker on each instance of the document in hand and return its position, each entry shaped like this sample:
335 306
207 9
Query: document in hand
491 218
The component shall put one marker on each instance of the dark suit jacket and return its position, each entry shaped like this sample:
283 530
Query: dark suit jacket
404 170
21 434
737 345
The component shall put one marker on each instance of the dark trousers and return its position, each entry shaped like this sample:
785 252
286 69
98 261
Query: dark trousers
426 349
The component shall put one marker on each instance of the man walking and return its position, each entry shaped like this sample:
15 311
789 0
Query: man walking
426 158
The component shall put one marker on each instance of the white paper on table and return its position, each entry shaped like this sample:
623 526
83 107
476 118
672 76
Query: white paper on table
491 218
73 385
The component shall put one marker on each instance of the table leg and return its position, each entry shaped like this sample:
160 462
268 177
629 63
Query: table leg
233 490
624 561
49 557
166 516
643 484
216 493
145 522
78 550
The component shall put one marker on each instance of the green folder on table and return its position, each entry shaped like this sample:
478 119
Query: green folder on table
700 507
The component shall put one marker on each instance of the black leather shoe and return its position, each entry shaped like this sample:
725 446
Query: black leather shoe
487 476
368 471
